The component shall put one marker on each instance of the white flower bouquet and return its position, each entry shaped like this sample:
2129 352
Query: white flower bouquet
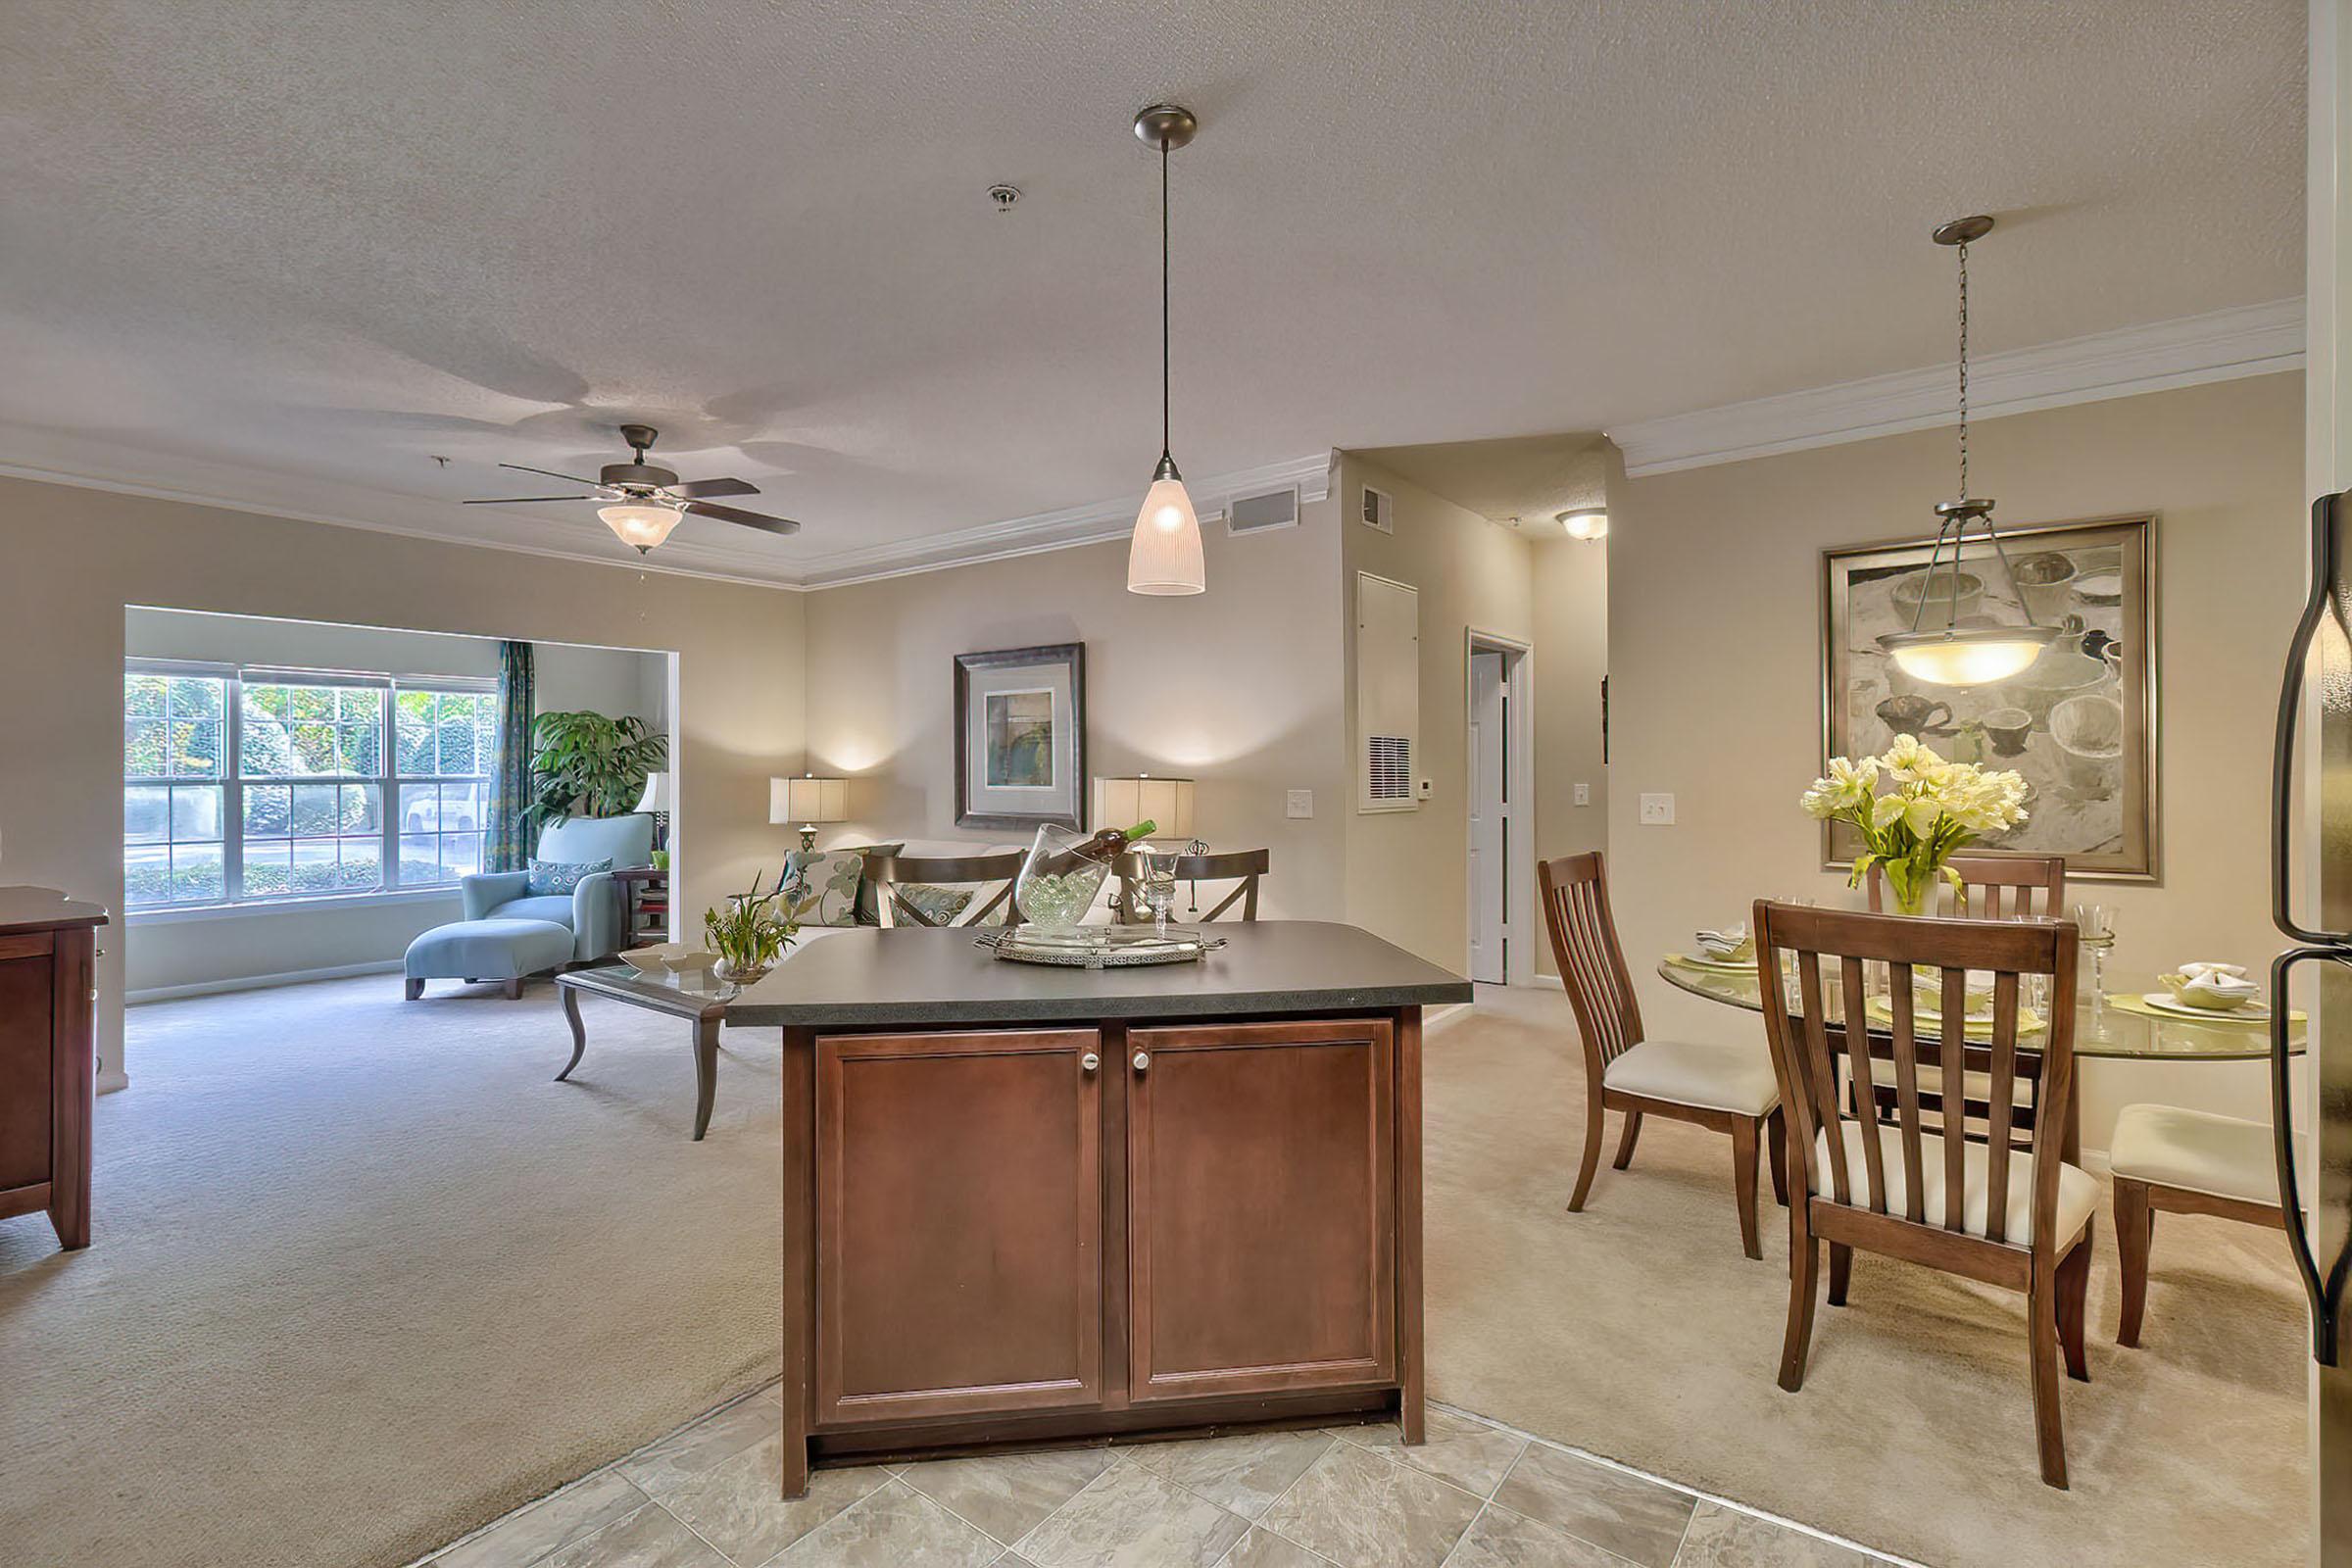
1936 808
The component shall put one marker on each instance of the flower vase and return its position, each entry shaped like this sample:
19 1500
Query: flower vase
1911 888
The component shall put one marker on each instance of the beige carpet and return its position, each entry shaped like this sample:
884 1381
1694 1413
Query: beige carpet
364 1278
1636 1330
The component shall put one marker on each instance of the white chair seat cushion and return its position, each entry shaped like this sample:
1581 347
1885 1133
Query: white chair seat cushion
1693 1072
2078 1189
2223 1156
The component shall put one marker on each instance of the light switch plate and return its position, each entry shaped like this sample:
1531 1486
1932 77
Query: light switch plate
1422 788
1584 795
1657 811
1301 802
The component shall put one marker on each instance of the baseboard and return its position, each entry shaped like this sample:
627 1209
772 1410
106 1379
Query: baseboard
1437 1018
258 982
1549 982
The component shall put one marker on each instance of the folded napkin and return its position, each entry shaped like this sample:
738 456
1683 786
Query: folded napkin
1729 945
2218 986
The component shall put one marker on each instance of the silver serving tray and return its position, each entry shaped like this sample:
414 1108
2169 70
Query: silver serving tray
1106 947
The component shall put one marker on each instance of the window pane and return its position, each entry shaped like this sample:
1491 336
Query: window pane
460 854
460 808
420 808
360 704
265 751
146 815
362 809
268 867
362 864
142 748
457 735
196 874
196 696
196 812
314 749
315 809
196 748
147 875
315 703
142 696
268 810
485 735
359 748
420 860
413 738
314 865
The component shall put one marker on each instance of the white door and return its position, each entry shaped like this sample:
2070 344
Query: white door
1489 817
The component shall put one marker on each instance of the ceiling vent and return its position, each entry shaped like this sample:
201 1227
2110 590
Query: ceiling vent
1276 508
1377 511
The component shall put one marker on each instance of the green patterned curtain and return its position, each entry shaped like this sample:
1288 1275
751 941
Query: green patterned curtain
504 846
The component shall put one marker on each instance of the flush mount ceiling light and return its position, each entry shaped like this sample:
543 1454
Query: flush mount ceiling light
1954 655
1590 524
1164 557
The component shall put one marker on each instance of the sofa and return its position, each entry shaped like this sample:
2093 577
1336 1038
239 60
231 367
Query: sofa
593 910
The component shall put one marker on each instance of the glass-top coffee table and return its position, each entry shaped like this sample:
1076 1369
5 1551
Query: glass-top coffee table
691 994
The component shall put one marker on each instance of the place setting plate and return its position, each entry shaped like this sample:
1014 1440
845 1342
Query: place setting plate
2166 1002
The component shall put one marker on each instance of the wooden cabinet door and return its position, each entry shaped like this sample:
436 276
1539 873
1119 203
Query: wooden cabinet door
958 1224
1261 1180
29 1065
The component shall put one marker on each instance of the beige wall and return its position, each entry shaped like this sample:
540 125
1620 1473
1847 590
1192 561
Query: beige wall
1714 613
1572 641
170 953
76 558
1238 688
1408 871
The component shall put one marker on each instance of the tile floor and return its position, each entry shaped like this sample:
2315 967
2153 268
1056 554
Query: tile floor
1474 1495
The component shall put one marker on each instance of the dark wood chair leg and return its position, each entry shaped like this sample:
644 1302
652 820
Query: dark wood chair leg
1776 1149
415 988
2134 1234
2042 1319
2074 1295
1805 1278
1592 1130
1625 1139
1842 1272
1743 1185
514 988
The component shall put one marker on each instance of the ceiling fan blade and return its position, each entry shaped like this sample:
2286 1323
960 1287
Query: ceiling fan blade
567 479
696 489
508 501
749 519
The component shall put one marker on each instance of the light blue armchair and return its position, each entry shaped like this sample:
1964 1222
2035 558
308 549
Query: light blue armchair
593 909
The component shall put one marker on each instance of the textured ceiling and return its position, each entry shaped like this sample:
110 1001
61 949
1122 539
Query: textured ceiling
263 248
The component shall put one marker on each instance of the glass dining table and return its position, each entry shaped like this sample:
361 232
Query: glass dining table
2114 1024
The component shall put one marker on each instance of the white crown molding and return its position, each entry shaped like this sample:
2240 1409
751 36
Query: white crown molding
86 462
2222 346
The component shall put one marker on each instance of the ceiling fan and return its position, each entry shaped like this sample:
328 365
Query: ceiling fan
648 500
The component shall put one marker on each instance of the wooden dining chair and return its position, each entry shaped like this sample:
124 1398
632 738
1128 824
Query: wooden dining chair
894 872
1985 880
2171 1160
1983 1210
1726 1086
1242 867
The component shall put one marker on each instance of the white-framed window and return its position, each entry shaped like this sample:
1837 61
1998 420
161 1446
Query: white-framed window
248 785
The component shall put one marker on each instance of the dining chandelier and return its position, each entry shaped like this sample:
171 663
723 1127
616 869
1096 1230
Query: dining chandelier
1954 655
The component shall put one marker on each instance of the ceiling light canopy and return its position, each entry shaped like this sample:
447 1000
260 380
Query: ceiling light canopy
1590 524
1163 556
1954 655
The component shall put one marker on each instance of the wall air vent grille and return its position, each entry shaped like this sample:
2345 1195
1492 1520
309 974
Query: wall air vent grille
1389 768
1378 511
1278 508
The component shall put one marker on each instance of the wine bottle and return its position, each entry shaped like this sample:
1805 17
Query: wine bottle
1109 844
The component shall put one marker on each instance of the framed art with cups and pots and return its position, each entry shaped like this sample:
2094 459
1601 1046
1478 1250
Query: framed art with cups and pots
1020 737
2079 723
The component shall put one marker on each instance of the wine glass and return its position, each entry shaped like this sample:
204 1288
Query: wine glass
1160 887
2096 922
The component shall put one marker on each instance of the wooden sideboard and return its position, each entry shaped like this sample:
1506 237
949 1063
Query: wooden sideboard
47 1067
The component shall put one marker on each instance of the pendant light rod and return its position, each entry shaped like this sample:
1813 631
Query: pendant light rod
1163 555
1166 127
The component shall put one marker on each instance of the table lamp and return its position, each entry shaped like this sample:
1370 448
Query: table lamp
655 803
1165 803
808 801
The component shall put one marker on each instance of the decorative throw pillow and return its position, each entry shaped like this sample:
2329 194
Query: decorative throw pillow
937 905
562 877
821 887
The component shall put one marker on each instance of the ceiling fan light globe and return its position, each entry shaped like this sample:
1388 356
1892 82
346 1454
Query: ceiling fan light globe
1164 557
640 526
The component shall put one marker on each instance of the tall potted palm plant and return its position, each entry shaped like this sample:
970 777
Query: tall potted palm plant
586 765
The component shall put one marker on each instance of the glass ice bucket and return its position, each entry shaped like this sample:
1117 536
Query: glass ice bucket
1059 879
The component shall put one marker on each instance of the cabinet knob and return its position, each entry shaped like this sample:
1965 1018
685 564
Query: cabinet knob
1143 1059
1089 1062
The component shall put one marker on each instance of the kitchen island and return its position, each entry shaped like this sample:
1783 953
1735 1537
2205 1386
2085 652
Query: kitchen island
1027 1204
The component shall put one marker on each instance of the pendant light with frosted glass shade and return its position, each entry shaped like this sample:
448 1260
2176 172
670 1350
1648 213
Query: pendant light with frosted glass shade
1954 655
1164 557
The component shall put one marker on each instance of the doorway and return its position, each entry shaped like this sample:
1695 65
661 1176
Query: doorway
1501 813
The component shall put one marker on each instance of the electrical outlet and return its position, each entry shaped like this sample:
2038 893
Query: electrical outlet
1300 802
1584 795
1657 811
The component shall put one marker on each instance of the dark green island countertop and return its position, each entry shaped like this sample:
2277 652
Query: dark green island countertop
1267 969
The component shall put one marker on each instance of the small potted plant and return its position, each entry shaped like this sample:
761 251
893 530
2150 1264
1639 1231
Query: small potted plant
750 934
1936 808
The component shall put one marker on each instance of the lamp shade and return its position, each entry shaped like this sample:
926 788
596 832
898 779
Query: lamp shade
807 799
1163 556
1165 803
656 793
640 524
